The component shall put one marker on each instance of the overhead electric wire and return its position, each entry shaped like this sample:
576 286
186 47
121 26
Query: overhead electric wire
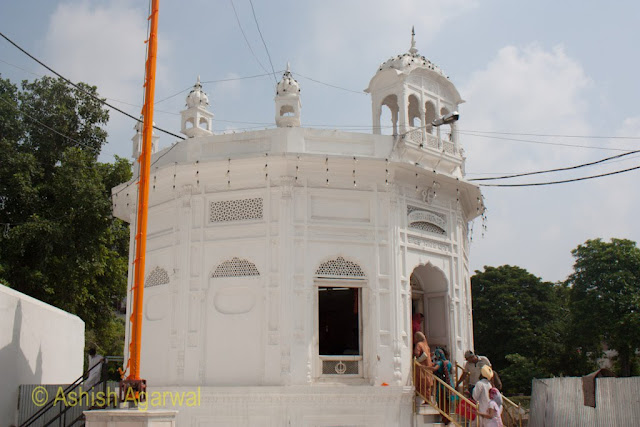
20 68
232 79
554 135
562 181
557 169
328 84
102 101
263 42
465 132
235 12
469 133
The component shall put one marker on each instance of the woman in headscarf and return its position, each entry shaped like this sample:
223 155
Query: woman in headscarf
442 369
493 416
422 353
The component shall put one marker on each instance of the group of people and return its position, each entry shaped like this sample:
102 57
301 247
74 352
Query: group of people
483 383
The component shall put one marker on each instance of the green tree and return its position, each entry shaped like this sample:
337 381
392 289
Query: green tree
518 324
605 300
59 241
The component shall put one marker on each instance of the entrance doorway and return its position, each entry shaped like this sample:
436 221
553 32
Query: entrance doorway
429 288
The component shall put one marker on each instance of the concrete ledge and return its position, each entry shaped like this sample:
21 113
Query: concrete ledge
130 418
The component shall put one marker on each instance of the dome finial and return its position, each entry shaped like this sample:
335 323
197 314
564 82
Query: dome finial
413 49
288 67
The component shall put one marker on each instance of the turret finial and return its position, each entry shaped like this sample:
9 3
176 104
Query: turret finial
413 49
288 67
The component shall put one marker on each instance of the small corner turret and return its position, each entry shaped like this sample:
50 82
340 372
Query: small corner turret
287 100
196 119
137 141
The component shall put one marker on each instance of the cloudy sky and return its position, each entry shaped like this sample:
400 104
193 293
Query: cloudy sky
548 84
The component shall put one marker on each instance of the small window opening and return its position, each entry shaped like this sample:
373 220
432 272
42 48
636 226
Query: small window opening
204 124
339 321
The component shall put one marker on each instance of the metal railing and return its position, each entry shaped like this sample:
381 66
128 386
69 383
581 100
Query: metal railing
57 412
460 371
512 413
451 404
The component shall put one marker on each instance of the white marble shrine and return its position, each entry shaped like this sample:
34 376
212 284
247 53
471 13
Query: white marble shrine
283 266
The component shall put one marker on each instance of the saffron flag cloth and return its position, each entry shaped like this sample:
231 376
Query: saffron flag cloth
466 411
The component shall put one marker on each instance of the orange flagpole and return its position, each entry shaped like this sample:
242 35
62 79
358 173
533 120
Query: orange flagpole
143 198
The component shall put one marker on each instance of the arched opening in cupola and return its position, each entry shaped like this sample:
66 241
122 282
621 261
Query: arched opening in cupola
429 115
389 115
287 111
204 123
414 112
446 131
188 124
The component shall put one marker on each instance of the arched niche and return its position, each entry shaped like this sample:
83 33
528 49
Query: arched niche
234 316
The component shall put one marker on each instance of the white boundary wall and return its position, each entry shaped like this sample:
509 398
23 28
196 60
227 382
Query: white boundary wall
39 344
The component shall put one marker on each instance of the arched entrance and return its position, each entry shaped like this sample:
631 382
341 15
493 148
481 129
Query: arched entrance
429 287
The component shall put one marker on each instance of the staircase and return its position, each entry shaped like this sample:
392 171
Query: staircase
63 405
460 411
446 401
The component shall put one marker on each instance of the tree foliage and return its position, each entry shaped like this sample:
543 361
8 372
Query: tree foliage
605 300
59 241
531 329
518 323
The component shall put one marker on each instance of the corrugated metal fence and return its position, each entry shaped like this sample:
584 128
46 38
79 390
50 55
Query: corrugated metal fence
560 402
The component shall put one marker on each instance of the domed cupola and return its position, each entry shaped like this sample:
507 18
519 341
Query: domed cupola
287 100
414 89
407 62
196 119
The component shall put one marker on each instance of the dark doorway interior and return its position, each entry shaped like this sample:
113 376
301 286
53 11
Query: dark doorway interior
339 321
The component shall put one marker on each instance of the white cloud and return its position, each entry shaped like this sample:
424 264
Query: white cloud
529 90
369 29
100 45
103 45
